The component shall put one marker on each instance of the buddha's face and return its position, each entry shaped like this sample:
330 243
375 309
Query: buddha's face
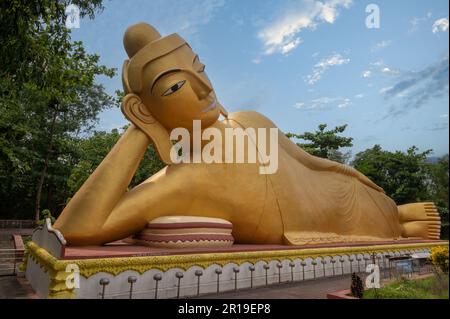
176 90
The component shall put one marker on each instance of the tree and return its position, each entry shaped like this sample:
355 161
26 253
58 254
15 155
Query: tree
403 175
48 96
92 150
438 187
325 144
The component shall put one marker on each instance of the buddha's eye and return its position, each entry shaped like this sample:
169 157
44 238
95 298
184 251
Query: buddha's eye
174 88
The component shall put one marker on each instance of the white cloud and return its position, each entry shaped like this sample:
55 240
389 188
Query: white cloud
417 88
288 47
320 68
344 103
184 17
256 61
444 116
281 36
323 103
415 22
385 90
440 25
367 74
381 45
359 96
388 71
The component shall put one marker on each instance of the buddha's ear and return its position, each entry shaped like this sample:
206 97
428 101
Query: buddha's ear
136 112
222 110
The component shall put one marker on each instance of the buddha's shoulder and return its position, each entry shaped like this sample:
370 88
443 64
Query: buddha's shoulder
251 119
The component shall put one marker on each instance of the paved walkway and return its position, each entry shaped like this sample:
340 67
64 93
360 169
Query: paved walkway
12 287
6 233
309 289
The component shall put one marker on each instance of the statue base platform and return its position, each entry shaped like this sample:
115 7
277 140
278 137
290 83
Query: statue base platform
56 270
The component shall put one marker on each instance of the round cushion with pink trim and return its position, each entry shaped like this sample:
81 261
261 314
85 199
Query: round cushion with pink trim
186 231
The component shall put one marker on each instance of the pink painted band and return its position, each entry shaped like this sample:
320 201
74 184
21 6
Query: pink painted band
187 225
175 238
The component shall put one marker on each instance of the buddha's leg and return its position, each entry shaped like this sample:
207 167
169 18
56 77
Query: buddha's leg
420 220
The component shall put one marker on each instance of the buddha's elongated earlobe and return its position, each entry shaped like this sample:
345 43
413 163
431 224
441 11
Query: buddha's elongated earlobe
222 110
136 112
126 85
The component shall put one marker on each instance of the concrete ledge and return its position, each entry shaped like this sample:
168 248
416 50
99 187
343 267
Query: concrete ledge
238 270
342 294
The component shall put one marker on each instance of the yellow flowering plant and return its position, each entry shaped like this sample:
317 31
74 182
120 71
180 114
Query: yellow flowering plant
439 257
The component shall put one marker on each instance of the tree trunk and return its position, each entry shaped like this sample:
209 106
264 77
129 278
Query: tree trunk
44 169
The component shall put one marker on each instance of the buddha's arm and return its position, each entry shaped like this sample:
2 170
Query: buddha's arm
322 164
94 201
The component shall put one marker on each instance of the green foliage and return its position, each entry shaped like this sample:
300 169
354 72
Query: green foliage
48 96
325 144
439 257
438 186
357 287
92 150
435 287
44 215
403 175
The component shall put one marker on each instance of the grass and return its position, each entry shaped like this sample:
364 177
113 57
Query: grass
435 287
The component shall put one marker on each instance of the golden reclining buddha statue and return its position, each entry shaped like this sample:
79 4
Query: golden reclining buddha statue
307 200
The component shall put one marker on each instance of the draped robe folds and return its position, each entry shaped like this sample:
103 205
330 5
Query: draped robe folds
324 201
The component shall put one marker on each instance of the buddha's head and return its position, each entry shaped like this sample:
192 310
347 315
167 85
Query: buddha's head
166 86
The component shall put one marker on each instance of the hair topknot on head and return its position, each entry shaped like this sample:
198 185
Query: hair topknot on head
137 36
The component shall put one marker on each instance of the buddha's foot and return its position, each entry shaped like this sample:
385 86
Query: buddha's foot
420 220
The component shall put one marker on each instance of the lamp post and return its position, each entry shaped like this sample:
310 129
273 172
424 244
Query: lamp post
324 261
236 271
333 262
198 273
266 268
104 282
131 281
156 278
218 272
292 265
342 260
179 275
303 263
252 269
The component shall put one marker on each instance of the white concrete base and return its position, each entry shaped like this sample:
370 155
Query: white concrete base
144 287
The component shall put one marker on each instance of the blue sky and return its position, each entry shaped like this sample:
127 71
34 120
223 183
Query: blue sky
304 62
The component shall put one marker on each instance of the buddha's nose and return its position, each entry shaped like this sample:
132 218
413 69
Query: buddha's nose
201 87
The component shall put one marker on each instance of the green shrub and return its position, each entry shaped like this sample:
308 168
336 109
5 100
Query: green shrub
357 287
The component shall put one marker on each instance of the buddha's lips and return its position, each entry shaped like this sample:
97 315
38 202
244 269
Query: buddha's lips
210 107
